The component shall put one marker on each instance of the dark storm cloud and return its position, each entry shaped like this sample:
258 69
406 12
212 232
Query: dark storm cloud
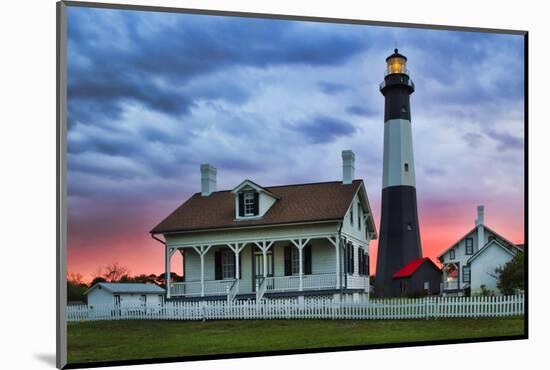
506 141
151 64
434 172
164 92
322 129
364 111
473 140
331 88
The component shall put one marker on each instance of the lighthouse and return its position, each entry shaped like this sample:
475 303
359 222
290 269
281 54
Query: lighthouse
399 241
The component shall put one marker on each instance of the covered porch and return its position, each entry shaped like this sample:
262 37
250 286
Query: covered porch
451 277
259 267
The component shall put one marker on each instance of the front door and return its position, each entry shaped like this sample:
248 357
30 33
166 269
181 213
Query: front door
258 267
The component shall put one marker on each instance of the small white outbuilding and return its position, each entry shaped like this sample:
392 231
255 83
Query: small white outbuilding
124 295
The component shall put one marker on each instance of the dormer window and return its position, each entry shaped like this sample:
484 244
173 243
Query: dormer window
248 204
248 196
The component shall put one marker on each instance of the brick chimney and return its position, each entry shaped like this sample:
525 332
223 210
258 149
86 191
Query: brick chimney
348 166
208 179
480 228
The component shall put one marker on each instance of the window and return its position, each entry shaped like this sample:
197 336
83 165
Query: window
117 300
469 246
409 226
228 265
426 285
295 255
351 258
363 262
452 254
292 260
249 204
406 167
351 216
359 215
466 274
259 262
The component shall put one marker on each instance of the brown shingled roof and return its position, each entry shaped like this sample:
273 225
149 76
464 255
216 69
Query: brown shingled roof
297 203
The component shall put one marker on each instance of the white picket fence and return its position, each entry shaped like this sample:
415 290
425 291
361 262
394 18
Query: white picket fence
311 308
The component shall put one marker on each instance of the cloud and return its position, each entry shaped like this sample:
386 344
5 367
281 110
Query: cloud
472 139
124 56
322 129
332 88
506 141
364 111
433 171
151 96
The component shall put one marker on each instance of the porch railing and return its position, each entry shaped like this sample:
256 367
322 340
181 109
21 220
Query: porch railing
450 285
193 288
270 284
233 290
292 283
261 286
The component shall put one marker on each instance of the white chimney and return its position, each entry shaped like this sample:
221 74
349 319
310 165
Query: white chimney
208 179
348 166
480 228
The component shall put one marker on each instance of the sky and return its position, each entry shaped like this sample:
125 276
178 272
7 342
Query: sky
151 96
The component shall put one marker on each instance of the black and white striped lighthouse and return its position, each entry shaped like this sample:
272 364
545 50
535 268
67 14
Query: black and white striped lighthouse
399 240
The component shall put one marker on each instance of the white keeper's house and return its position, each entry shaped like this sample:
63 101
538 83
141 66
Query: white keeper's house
470 263
255 242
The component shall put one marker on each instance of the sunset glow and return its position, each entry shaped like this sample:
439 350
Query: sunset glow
151 96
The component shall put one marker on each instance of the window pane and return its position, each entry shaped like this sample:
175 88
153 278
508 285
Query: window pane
248 203
295 261
359 215
228 265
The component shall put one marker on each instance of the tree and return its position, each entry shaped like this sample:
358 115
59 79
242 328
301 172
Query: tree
75 278
112 272
75 287
511 276
97 279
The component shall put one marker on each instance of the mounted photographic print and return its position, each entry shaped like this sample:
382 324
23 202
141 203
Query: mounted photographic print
236 185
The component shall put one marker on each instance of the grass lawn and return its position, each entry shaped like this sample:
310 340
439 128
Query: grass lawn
130 340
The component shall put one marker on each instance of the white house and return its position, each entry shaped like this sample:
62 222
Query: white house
471 261
255 242
121 295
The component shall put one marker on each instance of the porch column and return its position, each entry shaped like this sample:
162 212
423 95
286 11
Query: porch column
337 266
182 252
264 252
300 244
301 268
167 270
237 248
202 250
336 244
237 274
202 275
264 247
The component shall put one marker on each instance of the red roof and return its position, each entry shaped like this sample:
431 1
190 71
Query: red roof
411 267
